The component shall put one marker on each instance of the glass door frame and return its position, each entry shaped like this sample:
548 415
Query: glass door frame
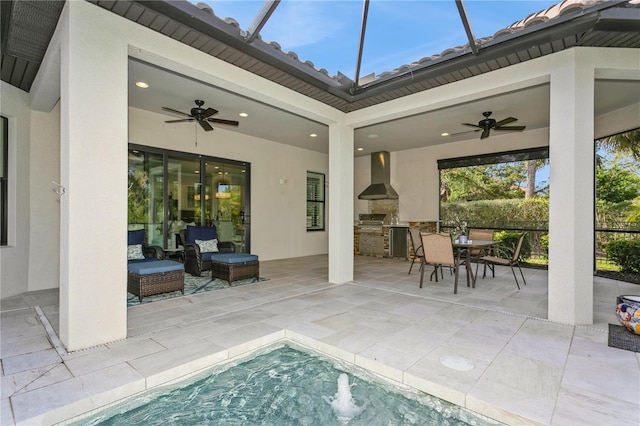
166 154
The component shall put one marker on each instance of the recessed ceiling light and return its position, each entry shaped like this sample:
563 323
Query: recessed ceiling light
196 171
243 114
313 135
444 134
142 84
373 136
360 149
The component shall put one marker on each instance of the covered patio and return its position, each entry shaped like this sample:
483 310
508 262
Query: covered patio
526 369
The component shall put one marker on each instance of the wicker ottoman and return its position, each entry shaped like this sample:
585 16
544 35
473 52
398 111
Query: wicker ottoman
155 277
235 266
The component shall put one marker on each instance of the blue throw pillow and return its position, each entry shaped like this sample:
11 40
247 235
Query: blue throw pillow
135 237
200 233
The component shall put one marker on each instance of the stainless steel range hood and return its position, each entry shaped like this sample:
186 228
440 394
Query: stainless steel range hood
380 188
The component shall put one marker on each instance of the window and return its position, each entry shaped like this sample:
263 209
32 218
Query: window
4 170
315 201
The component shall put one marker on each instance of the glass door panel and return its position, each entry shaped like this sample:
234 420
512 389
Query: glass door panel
225 186
145 195
183 193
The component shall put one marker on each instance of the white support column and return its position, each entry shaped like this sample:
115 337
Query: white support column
340 204
571 205
93 163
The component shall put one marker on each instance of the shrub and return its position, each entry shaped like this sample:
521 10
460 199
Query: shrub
626 254
509 241
544 243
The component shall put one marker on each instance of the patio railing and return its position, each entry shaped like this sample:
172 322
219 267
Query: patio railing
604 233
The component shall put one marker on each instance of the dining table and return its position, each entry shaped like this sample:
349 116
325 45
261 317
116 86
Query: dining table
465 248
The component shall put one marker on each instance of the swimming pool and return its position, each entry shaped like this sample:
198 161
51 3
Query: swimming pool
284 385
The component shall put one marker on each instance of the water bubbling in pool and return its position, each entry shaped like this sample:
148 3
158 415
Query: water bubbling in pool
342 403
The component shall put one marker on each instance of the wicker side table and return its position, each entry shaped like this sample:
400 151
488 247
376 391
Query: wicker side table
155 277
235 266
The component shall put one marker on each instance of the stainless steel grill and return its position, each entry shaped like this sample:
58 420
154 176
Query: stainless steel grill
372 234
371 223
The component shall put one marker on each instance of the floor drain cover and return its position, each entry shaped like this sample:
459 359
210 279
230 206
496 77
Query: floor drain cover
457 363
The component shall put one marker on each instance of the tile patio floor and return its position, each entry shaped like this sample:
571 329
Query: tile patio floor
527 370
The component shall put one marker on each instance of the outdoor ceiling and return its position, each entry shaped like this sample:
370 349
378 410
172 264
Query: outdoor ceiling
530 106
571 23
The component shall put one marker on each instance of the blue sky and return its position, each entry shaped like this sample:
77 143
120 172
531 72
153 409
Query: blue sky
399 32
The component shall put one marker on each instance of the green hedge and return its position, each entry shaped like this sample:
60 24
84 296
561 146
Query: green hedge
509 240
534 212
626 254
544 243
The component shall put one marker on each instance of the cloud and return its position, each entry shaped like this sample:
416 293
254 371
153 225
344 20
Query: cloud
302 23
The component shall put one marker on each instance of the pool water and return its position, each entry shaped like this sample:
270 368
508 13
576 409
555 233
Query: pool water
285 386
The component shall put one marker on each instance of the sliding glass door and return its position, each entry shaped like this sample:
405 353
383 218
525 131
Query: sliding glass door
224 193
145 195
169 190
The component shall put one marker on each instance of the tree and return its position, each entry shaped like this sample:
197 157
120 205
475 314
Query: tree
532 168
624 143
616 185
484 182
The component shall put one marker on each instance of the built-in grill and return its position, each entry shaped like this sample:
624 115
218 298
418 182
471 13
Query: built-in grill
372 234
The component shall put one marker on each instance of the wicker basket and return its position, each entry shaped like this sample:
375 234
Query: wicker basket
235 271
151 284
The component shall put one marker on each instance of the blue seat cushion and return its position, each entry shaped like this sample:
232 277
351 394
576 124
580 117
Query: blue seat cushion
234 257
200 233
147 259
154 267
135 237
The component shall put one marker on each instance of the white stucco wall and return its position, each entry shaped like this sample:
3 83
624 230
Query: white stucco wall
415 176
14 258
278 210
44 209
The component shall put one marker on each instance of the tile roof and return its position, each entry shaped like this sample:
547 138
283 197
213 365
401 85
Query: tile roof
563 26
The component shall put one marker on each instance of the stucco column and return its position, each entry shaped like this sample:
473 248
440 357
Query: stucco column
340 203
93 163
571 198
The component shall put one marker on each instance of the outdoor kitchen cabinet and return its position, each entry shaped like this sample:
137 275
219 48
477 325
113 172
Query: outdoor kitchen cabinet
398 242
371 245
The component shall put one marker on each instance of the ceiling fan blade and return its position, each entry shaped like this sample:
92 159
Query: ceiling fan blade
206 126
510 128
467 131
175 111
209 112
485 133
182 120
505 121
221 121
472 125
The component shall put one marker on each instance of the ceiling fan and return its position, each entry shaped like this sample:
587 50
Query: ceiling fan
201 115
488 124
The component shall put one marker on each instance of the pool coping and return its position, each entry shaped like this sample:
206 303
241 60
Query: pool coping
74 410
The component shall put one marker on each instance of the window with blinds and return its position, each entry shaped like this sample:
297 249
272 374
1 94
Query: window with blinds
315 201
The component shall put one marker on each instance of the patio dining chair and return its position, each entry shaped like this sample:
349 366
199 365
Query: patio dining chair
438 251
506 257
476 254
416 243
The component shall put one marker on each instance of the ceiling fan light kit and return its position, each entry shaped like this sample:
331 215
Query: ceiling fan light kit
202 115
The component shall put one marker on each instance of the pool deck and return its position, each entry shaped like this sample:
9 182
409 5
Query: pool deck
526 369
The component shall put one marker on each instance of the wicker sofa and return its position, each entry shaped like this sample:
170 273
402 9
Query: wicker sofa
196 261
